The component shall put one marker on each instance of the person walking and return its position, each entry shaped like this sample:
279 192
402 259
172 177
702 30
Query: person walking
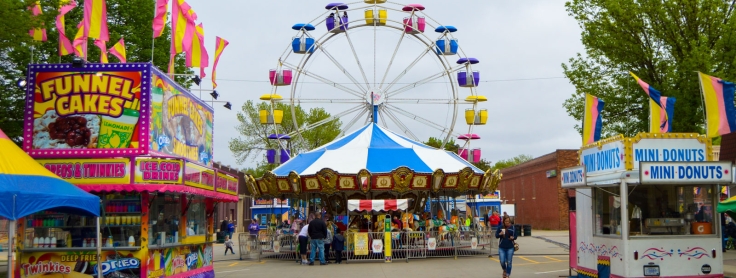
317 232
303 241
506 236
331 228
228 245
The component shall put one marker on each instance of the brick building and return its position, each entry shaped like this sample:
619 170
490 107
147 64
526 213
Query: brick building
239 211
534 187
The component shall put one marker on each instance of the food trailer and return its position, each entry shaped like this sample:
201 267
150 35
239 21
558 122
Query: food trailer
131 135
645 206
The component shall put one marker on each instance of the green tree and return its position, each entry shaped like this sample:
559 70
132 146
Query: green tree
254 135
664 43
130 19
436 143
483 164
506 163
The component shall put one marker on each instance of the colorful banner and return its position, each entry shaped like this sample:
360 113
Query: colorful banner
178 260
181 123
198 176
165 171
92 111
79 264
361 244
226 183
90 171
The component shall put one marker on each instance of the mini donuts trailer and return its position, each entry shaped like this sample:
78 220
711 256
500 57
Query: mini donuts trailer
131 135
664 224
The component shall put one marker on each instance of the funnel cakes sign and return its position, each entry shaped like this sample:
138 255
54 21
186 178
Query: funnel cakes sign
181 123
97 110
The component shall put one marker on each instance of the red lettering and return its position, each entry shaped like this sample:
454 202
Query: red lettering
77 170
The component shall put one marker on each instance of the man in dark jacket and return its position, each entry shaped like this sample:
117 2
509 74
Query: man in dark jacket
317 232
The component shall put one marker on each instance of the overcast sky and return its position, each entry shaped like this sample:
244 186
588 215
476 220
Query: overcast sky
520 45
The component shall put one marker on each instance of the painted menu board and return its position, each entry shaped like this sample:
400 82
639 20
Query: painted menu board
154 170
90 171
178 260
79 264
93 111
181 123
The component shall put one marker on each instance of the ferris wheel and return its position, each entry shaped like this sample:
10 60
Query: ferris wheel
372 61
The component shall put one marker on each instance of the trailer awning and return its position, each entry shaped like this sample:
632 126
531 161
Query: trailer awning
378 205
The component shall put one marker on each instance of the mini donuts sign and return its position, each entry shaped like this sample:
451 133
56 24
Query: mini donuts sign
93 111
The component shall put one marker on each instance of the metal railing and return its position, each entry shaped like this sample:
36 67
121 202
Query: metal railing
370 246
365 247
249 247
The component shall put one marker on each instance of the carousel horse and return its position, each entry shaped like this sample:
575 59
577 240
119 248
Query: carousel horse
444 230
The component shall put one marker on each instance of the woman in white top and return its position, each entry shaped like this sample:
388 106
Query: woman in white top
303 238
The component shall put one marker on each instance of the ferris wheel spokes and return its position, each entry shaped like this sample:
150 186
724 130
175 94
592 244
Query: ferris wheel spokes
400 124
354 120
327 120
391 62
392 108
342 68
406 70
357 60
324 80
424 81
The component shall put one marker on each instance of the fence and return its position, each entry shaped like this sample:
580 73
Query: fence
365 247
250 247
370 246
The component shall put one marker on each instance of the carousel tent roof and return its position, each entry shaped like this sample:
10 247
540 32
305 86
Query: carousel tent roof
376 149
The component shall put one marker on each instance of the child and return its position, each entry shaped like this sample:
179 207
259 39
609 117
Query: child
338 244
228 245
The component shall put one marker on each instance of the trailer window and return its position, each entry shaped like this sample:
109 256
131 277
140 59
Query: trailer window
671 209
607 211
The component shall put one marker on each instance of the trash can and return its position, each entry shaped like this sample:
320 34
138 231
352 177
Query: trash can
220 237
517 229
527 230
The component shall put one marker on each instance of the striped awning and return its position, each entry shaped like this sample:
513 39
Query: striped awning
378 205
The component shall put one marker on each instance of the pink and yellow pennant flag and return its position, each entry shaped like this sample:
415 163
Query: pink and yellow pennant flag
103 51
220 45
592 122
80 42
65 46
182 24
159 19
720 112
119 50
95 19
197 56
38 34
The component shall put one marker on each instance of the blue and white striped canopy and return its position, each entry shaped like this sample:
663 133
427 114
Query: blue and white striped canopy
376 149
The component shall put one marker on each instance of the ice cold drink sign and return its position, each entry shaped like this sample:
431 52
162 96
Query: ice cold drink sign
686 172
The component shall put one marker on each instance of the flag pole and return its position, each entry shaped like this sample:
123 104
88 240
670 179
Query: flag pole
153 34
702 103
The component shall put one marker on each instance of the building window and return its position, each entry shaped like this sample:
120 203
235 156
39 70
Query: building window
607 211
672 210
